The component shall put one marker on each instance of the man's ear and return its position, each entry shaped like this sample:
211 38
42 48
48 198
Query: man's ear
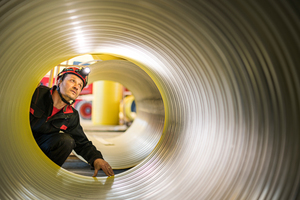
59 81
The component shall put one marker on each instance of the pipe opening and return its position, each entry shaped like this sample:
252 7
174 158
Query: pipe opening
116 118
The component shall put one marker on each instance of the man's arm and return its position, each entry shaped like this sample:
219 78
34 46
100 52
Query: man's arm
88 151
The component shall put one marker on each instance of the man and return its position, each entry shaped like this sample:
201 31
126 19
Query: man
55 123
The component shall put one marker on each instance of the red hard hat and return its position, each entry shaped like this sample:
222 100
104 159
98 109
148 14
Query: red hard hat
82 73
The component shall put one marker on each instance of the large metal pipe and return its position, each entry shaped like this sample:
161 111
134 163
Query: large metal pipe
228 73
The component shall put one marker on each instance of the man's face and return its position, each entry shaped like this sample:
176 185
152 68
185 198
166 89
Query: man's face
71 87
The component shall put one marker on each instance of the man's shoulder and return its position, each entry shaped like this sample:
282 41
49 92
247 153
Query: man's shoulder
41 92
43 87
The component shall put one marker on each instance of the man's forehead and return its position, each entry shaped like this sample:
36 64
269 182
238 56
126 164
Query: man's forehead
69 76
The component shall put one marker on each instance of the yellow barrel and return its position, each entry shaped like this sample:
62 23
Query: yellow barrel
106 101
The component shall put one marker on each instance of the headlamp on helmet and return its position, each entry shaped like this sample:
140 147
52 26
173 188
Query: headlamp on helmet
85 71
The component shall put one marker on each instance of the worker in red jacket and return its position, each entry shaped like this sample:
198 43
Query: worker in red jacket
55 123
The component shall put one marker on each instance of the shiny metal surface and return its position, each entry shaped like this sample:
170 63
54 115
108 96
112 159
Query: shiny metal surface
228 73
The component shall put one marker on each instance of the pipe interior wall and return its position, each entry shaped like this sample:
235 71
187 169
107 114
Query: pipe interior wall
228 75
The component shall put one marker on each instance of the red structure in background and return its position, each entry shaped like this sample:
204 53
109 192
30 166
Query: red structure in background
87 90
45 81
84 108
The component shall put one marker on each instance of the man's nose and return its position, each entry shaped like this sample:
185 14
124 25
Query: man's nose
76 86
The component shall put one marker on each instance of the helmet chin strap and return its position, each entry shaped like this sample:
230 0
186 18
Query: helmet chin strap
62 98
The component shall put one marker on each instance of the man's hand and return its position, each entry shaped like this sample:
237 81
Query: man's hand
102 164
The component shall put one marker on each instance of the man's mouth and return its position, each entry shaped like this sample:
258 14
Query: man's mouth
73 92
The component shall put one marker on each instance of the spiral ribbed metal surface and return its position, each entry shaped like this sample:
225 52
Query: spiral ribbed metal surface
228 73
